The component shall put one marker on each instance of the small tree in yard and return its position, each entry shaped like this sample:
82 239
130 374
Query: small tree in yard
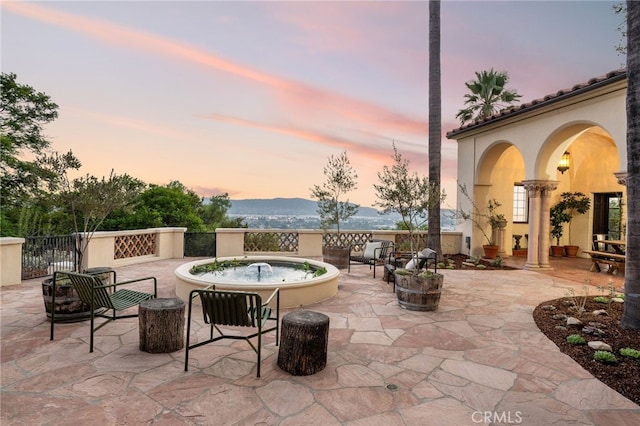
91 200
341 179
573 204
408 194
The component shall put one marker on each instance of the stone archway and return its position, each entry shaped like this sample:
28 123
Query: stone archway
594 161
587 120
500 167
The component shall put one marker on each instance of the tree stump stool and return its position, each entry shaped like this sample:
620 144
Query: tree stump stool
161 325
303 343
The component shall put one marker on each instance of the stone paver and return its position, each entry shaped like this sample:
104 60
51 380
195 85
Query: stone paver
479 359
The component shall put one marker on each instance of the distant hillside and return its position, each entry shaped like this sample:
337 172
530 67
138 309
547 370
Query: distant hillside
284 206
293 213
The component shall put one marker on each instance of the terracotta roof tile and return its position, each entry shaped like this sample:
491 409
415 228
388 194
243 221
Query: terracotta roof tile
612 75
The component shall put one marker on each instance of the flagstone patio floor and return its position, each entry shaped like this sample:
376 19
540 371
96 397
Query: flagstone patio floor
478 359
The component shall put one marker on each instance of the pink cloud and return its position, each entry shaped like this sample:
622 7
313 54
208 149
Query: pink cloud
307 134
296 94
155 129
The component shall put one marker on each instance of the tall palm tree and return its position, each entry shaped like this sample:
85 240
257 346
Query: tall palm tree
435 126
631 315
488 96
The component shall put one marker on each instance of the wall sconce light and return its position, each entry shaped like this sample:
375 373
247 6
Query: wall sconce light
563 165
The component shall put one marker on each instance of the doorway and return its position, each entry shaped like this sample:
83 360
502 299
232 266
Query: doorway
607 215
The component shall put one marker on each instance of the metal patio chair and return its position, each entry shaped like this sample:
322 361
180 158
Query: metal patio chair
95 293
234 309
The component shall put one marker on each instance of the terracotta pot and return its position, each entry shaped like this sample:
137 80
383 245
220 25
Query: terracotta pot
490 252
519 253
572 251
557 251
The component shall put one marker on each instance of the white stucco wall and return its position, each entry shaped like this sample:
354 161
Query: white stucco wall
528 146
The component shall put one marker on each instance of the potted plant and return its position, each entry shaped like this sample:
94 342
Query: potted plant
481 219
89 200
341 178
558 218
572 204
411 196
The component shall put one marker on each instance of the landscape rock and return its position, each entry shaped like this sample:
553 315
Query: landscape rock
549 308
618 300
594 331
599 346
573 321
600 312
559 316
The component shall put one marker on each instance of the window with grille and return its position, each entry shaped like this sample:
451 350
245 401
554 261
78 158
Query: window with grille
520 204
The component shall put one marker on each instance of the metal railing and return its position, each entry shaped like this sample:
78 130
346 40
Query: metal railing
199 244
42 256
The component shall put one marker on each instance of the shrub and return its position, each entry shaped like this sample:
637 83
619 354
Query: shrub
498 262
605 357
630 353
426 274
601 299
576 339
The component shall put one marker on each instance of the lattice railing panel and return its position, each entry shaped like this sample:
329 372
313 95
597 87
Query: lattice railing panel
355 240
403 243
127 246
271 242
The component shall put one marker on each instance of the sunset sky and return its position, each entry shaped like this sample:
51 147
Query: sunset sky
251 98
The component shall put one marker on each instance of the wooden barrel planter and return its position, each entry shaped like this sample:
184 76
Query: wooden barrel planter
418 293
336 256
69 307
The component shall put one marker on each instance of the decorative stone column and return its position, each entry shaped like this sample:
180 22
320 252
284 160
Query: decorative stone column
545 225
533 192
622 178
539 192
500 238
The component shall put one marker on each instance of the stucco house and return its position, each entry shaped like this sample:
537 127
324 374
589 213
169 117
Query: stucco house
513 157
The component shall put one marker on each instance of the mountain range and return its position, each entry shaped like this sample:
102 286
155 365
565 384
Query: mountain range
284 206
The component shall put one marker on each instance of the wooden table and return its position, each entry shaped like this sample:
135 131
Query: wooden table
614 260
618 246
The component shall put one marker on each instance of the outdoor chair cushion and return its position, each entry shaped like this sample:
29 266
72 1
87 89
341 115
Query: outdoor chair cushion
412 264
371 249
420 261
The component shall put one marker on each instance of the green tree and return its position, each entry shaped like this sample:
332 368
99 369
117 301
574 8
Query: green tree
214 214
408 194
435 124
173 203
488 96
23 113
340 179
90 200
28 171
631 315
621 9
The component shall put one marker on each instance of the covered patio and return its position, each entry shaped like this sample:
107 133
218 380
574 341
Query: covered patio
479 359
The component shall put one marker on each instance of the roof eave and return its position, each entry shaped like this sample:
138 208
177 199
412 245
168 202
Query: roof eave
454 134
